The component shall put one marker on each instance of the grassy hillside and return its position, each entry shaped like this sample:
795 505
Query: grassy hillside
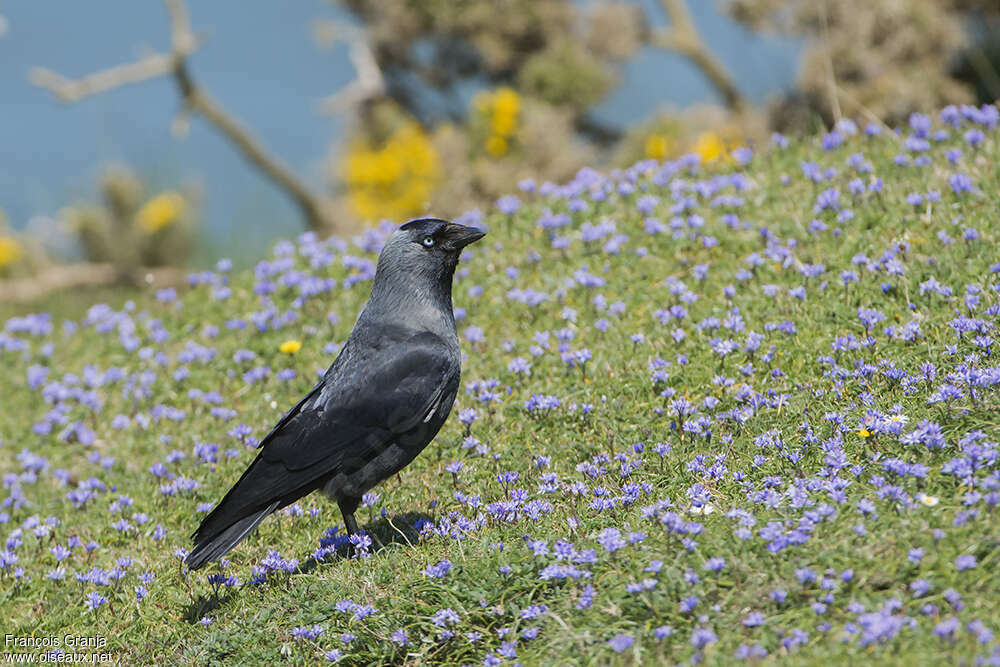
740 410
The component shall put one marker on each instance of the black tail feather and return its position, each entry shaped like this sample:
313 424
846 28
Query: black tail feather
211 548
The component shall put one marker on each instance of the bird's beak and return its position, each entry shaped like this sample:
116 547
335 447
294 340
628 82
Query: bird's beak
461 236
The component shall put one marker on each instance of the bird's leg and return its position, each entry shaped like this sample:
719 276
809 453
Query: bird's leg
352 529
350 523
347 508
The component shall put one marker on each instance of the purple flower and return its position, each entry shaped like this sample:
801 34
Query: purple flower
445 617
534 611
831 140
974 137
960 183
946 628
508 204
611 539
95 600
307 633
715 564
742 155
965 562
519 366
920 587
621 643
439 570
688 604
586 597
702 636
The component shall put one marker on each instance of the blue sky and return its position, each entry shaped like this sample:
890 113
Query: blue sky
260 62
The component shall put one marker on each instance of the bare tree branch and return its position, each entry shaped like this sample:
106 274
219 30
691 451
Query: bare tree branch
683 37
57 278
181 37
69 90
316 209
369 83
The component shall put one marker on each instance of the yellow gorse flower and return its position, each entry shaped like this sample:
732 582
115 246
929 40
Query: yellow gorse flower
496 146
506 107
162 210
502 109
657 146
709 146
11 250
394 181
290 346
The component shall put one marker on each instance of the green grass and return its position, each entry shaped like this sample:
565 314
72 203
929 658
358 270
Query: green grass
796 394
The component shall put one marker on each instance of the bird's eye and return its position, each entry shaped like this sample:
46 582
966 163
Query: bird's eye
428 241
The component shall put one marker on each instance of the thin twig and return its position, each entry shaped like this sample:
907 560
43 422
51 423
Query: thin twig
70 90
871 115
369 82
199 101
315 208
831 76
683 37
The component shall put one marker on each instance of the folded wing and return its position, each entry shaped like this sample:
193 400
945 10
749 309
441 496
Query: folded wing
366 402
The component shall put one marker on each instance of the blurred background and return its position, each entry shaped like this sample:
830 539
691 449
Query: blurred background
140 138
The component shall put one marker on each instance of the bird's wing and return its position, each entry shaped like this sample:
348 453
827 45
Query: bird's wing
351 416
385 397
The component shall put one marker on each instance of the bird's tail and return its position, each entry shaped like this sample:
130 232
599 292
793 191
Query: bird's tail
214 547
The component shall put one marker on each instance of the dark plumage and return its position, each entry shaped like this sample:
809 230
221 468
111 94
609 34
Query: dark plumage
380 403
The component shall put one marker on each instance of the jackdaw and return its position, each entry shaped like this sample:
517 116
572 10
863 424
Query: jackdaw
379 404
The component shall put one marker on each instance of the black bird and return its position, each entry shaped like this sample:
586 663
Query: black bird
379 404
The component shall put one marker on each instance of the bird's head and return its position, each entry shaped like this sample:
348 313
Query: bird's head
424 253
436 237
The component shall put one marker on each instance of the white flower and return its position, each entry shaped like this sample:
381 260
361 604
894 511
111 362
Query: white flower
929 501
702 509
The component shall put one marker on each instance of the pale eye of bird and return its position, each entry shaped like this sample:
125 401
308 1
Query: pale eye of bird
428 241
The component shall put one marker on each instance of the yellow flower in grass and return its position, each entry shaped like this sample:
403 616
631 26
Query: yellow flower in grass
290 346
709 146
11 250
159 212
864 433
656 146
